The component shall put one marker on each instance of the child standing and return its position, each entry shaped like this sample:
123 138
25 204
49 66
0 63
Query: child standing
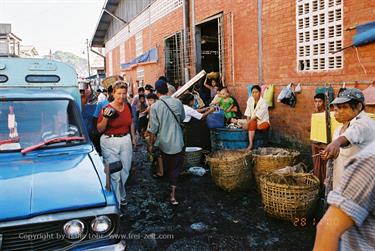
142 116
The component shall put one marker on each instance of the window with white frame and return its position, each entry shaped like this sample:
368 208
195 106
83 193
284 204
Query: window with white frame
138 44
140 74
319 25
122 53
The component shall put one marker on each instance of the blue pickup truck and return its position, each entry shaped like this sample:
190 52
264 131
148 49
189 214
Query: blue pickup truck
54 193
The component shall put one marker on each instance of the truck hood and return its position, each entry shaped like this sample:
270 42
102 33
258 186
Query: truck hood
47 182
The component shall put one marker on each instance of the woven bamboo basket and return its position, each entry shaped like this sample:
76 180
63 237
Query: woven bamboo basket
268 159
231 169
193 156
289 196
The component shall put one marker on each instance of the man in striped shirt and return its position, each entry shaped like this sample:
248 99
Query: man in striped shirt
350 220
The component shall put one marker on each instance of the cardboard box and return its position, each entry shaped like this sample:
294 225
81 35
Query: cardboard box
318 126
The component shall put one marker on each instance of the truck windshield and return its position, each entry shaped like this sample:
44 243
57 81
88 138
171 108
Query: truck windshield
25 123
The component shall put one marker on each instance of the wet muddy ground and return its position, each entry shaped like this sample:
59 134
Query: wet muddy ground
207 218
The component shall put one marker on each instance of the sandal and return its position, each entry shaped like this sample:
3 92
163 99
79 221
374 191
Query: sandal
157 176
174 202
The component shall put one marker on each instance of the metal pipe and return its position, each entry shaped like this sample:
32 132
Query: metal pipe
97 53
194 49
185 9
88 56
114 16
232 29
260 43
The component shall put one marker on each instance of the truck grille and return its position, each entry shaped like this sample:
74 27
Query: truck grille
44 236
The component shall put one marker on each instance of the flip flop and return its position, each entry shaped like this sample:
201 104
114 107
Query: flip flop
174 202
156 176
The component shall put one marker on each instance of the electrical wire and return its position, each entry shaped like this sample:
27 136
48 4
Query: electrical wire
359 61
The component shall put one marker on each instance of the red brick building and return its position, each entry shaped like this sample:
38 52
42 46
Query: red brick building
273 42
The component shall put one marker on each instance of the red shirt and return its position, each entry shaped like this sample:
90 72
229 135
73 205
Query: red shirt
119 125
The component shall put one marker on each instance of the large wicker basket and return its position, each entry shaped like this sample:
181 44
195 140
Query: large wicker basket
193 156
231 169
289 196
268 159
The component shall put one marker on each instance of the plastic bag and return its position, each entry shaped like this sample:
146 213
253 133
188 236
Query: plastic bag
291 101
268 95
287 96
285 93
298 88
197 170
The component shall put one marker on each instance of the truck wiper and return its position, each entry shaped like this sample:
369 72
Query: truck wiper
51 141
10 140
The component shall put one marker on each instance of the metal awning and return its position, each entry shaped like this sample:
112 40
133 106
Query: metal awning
103 24
365 34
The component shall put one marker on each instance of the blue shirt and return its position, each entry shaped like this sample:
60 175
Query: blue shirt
99 107
355 196
169 135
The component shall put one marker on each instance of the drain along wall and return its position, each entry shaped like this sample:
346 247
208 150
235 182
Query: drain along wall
279 55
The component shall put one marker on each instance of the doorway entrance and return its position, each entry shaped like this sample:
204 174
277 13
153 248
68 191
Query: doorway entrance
210 47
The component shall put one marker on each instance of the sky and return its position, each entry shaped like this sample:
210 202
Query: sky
53 24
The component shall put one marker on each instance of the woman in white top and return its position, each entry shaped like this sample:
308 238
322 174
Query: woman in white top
257 114
196 131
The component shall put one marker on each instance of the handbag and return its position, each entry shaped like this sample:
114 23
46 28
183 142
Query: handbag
110 168
115 167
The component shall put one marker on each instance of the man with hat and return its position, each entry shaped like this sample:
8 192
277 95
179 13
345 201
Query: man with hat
356 132
165 129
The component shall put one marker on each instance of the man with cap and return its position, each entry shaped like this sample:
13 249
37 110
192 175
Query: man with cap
165 129
356 132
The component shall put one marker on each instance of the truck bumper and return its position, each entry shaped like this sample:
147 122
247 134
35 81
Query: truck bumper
114 247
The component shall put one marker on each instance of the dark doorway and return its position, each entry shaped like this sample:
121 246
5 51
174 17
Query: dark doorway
209 49
209 43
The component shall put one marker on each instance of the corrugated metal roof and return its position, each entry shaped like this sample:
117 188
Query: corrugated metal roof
103 24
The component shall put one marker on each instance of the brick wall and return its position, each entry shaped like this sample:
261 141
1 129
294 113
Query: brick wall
280 63
279 54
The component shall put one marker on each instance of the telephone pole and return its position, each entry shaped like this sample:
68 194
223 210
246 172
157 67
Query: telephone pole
88 56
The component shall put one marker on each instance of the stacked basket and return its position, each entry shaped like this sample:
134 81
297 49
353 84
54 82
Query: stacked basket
289 196
231 169
268 159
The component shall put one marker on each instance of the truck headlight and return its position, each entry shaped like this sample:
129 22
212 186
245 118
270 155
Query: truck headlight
74 230
101 224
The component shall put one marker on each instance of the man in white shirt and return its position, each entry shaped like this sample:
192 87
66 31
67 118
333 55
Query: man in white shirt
196 132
